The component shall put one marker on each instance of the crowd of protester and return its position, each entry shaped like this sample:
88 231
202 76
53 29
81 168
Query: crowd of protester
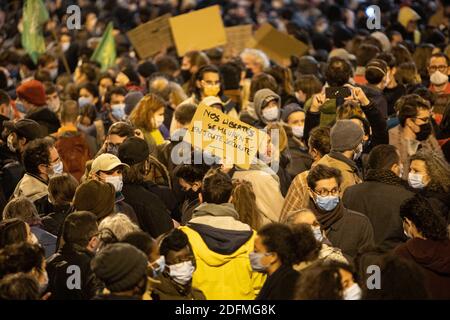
95 206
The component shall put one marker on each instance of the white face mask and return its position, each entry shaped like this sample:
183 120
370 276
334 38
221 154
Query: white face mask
318 234
271 113
415 180
353 292
182 272
65 46
10 143
438 78
57 169
159 121
83 101
298 131
53 73
118 111
116 181
358 152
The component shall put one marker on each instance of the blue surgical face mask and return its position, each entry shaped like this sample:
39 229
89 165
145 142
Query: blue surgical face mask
20 107
415 180
327 203
118 111
255 261
84 101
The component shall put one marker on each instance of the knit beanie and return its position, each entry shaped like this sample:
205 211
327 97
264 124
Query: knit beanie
120 266
32 91
345 135
290 109
95 196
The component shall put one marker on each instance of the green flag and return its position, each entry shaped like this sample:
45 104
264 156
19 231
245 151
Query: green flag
35 15
105 53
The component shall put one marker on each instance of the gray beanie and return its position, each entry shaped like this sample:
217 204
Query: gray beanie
120 266
345 135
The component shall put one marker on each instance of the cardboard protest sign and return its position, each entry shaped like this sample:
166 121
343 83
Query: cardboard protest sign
279 46
149 38
225 137
198 30
237 39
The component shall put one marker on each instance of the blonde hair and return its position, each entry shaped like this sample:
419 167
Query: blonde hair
244 201
283 140
349 109
142 115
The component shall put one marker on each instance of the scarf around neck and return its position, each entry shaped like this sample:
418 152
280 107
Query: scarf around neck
327 218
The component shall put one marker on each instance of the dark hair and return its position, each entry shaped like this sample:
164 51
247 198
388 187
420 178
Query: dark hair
191 172
4 97
401 279
309 84
90 87
406 74
231 74
90 71
45 58
62 188
407 107
262 81
122 129
105 75
216 187
50 88
319 139
69 111
88 111
365 53
167 65
121 91
439 55
12 231
307 247
19 286
401 54
319 282
376 71
42 75
383 156
79 227
36 152
244 201
184 113
338 72
322 172
28 62
136 173
388 58
278 238
209 68
140 240
21 257
430 224
174 240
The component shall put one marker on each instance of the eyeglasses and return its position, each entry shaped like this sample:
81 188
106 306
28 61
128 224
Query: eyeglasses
441 68
326 193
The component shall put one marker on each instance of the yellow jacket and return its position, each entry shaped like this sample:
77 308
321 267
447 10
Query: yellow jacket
224 277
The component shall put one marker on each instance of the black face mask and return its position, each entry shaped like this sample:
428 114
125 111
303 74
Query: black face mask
113 149
248 73
424 133
191 195
186 75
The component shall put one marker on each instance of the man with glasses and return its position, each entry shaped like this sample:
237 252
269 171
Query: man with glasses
346 229
439 84
414 131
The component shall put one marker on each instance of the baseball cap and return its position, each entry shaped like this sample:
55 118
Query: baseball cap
106 162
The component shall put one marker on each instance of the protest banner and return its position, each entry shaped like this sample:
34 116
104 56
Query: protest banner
224 137
279 46
149 38
237 39
198 30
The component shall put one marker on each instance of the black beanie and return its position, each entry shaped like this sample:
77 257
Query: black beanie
120 266
132 75
133 150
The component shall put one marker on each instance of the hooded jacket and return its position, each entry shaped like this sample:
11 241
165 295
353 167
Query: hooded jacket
434 259
260 101
31 188
221 246
405 15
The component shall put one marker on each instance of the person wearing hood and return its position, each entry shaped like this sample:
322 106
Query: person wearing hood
379 197
428 246
267 107
175 281
221 244
32 103
347 230
301 161
439 84
408 19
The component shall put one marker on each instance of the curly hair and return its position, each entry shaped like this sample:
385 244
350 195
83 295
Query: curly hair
421 213
278 238
407 107
437 168
244 201
36 152
307 247
142 115
23 209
